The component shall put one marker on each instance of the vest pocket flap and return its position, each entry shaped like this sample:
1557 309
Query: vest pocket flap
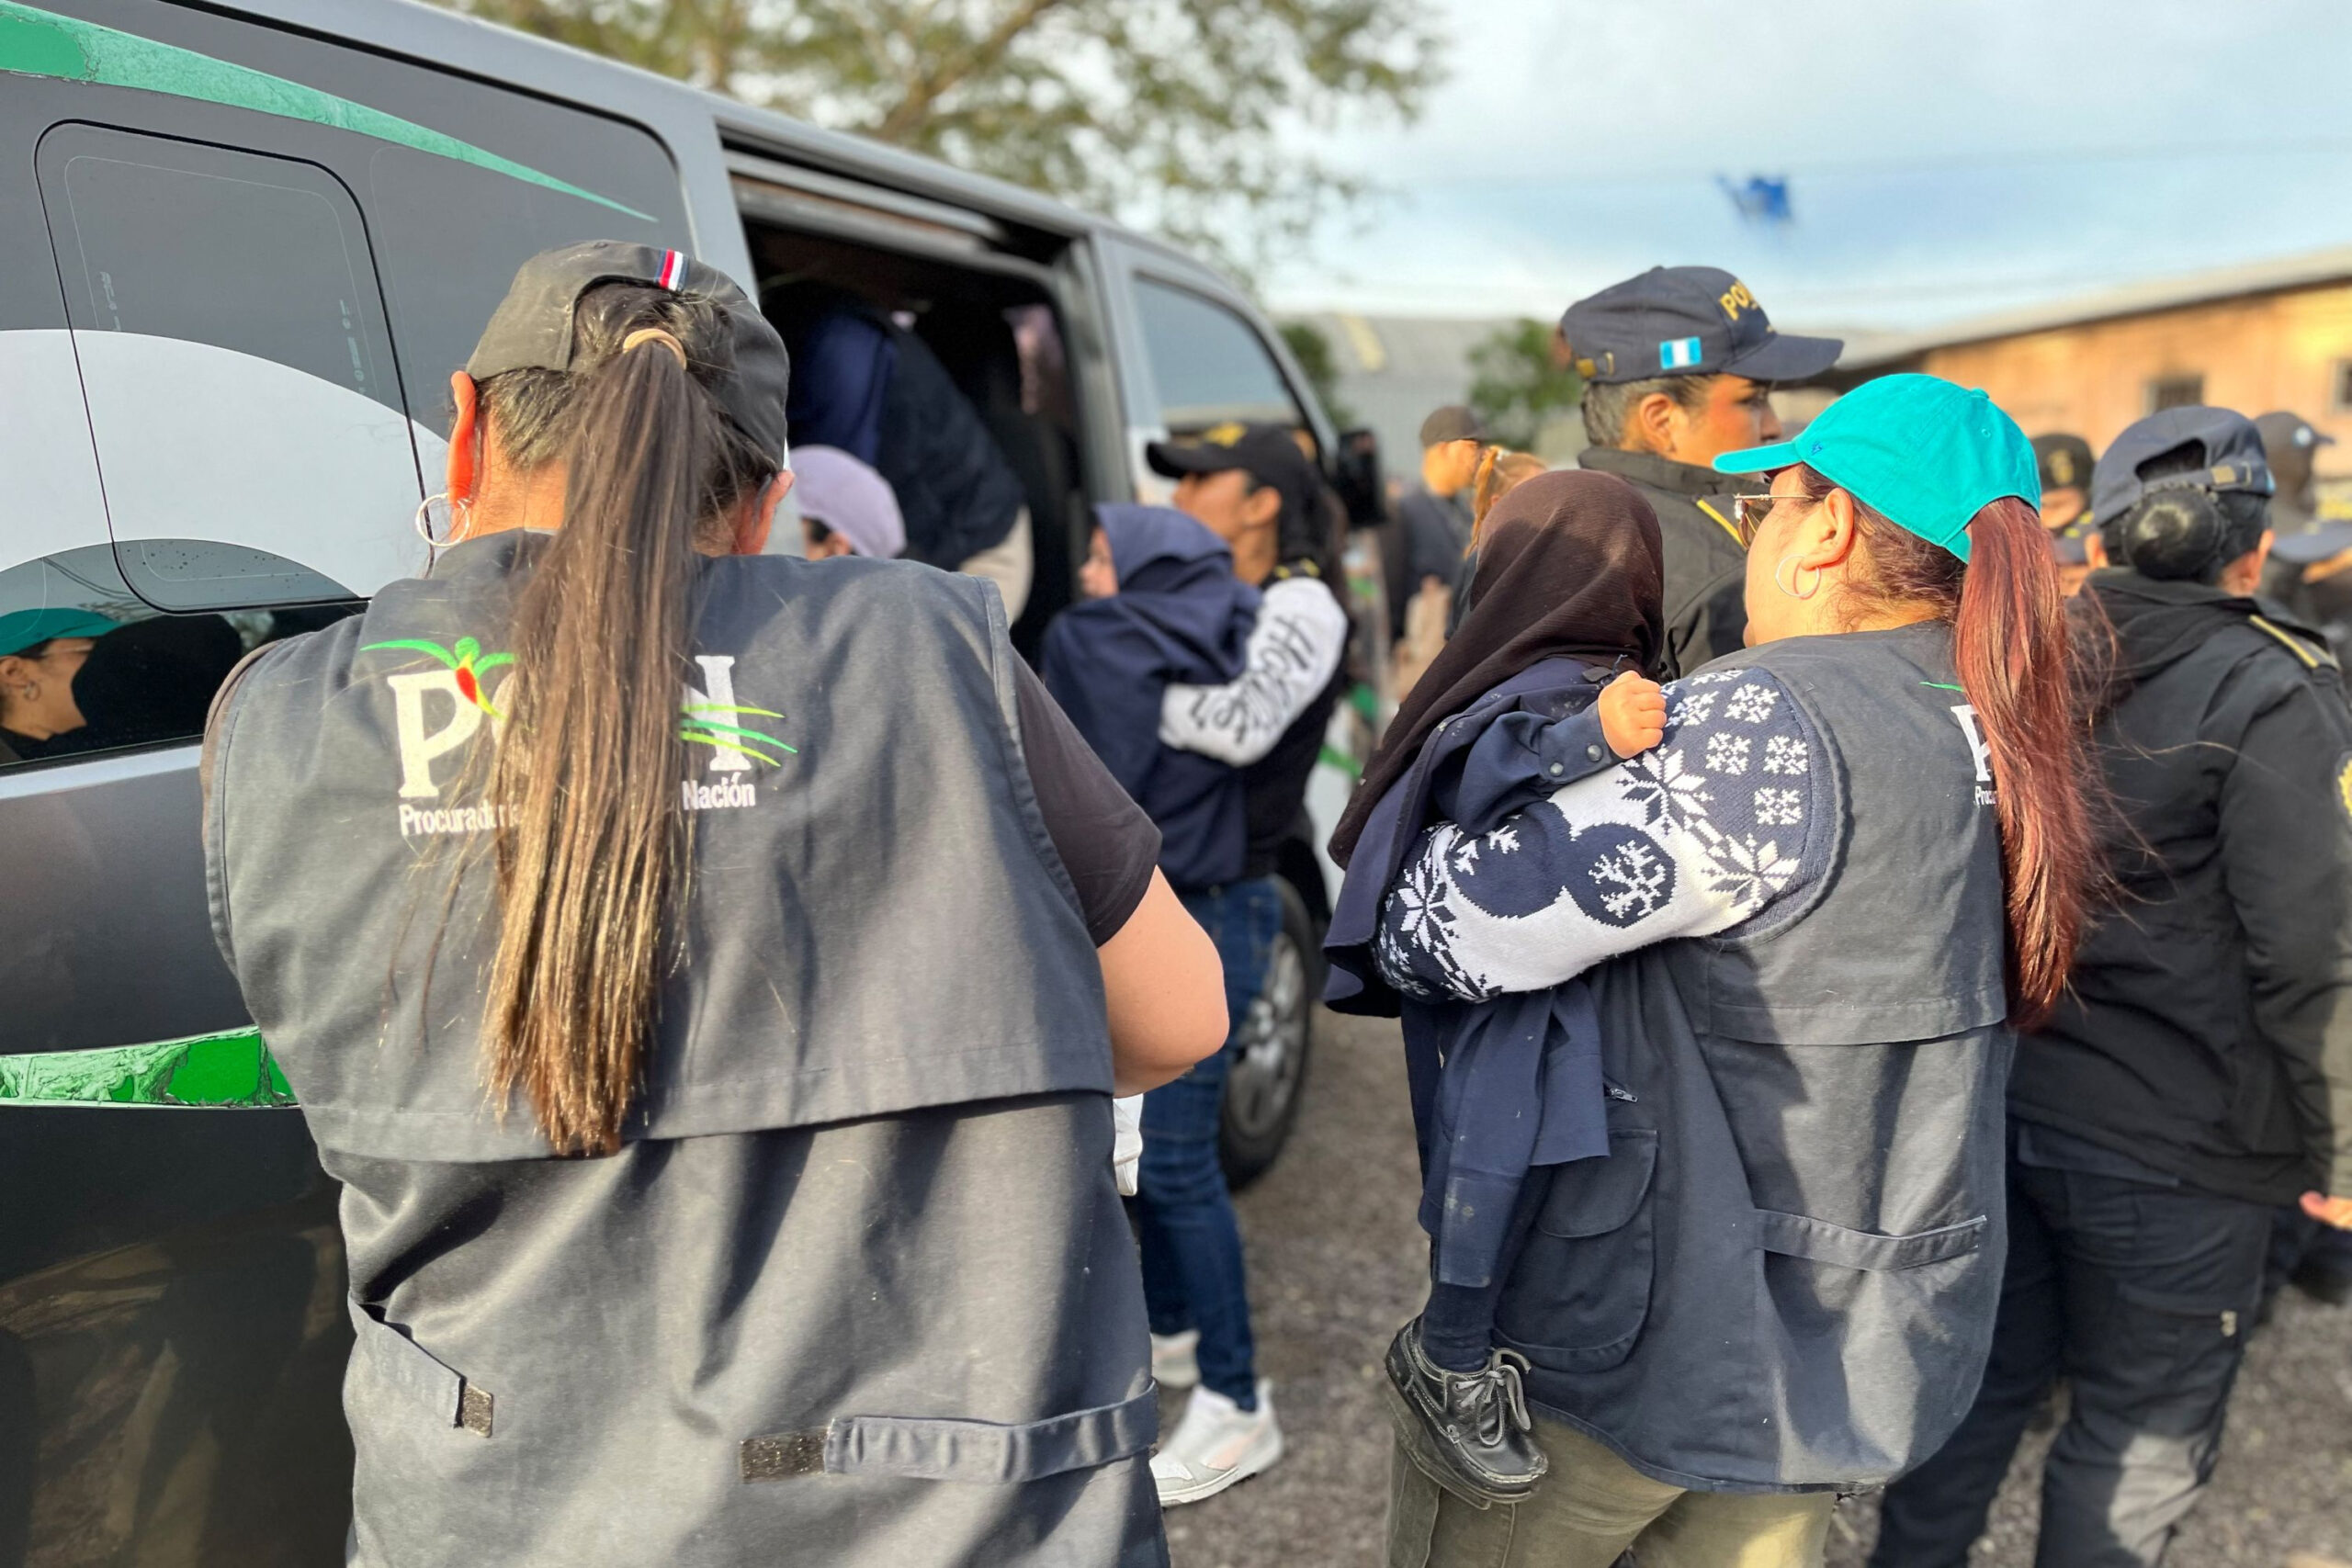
1593 1197
410 1372
1819 1241
939 1448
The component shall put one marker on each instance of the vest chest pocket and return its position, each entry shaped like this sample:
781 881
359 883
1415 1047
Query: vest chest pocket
1580 1291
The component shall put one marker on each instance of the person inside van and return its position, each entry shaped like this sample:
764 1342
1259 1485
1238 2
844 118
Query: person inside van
846 509
874 389
707 975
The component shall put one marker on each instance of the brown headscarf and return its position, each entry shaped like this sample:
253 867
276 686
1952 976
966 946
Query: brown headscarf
1569 564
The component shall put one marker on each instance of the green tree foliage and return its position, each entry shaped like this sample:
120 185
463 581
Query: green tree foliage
1312 349
1514 386
1180 116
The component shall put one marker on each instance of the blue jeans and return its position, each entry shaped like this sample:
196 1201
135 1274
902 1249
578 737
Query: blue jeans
1192 1271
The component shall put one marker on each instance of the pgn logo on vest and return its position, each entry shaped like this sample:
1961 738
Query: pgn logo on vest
1965 714
436 713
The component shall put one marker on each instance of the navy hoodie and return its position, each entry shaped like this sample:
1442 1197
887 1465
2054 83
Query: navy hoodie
1180 616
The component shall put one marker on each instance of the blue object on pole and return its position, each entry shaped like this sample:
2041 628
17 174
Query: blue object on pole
1760 198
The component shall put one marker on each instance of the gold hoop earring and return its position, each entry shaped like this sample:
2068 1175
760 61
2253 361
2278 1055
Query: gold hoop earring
462 520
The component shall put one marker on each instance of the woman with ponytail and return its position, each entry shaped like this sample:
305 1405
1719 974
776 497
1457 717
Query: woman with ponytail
1810 921
707 975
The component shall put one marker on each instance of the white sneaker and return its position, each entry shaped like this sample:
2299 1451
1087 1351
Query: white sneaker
1172 1359
1216 1444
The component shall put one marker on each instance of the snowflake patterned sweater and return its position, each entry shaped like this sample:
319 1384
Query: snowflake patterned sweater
1492 918
1704 832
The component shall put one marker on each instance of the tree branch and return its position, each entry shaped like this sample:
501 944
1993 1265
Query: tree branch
910 112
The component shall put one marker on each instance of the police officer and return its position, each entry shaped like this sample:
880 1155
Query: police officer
1679 367
2064 464
2198 1072
2311 566
695 965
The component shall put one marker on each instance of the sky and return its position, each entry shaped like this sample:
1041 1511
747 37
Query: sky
1944 157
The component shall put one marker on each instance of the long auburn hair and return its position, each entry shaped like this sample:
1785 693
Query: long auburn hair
591 844
2010 642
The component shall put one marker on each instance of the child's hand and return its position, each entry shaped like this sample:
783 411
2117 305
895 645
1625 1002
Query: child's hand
1632 714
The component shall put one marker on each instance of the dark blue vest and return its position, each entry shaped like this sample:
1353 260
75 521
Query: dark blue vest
1783 1277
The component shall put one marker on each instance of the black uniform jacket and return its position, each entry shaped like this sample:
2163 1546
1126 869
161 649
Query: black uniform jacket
2207 1031
1706 568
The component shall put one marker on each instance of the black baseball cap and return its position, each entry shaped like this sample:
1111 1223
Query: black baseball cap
1686 321
531 328
2229 458
1267 453
2065 462
1452 423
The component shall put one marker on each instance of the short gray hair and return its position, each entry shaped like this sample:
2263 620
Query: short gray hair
1609 405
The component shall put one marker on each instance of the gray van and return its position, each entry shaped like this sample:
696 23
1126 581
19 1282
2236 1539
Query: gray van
247 243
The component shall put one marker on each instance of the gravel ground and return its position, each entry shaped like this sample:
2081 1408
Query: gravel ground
1336 1264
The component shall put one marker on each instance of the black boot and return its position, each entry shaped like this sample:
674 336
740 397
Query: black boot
1469 1432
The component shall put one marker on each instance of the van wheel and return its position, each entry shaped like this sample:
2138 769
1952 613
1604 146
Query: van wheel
1268 1078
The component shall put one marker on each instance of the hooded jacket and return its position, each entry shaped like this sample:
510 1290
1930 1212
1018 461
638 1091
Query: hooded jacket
1180 616
2207 1029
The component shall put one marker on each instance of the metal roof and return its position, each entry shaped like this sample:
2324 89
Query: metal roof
2266 276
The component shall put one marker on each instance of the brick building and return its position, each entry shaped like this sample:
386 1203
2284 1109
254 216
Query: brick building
2266 335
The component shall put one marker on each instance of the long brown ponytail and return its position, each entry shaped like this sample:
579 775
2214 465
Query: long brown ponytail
2011 643
591 842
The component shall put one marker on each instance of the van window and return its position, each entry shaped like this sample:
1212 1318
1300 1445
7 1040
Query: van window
1207 365
87 666
234 351
451 236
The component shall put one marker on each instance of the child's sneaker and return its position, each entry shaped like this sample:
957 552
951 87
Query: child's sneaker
1174 1358
1470 1432
1216 1444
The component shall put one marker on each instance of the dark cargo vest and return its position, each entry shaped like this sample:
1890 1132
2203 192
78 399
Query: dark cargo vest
1783 1276
858 1288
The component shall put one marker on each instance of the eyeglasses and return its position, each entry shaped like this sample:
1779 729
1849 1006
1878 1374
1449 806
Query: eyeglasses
1748 512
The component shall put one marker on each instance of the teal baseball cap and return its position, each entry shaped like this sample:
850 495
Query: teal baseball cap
21 629
1921 451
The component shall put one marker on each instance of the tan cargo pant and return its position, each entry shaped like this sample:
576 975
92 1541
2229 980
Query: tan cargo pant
1590 1509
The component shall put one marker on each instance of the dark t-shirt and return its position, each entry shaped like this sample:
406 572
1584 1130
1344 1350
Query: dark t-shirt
1107 843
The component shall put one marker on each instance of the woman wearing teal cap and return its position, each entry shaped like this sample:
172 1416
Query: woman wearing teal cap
1811 921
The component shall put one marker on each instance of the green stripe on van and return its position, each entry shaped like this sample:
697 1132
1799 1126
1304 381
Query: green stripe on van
226 1071
42 43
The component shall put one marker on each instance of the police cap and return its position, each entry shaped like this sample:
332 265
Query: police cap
2065 462
2229 458
1686 321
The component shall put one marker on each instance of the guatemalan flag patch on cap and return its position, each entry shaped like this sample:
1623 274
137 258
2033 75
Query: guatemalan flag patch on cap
1678 354
673 272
